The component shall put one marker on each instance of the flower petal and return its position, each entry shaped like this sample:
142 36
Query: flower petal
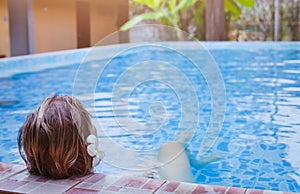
92 150
100 155
96 161
91 139
98 147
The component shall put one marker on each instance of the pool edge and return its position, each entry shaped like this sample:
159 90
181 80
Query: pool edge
15 179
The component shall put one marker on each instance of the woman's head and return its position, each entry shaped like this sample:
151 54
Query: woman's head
53 138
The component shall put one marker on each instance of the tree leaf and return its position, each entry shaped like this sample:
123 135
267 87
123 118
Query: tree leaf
172 4
153 4
146 16
232 7
246 3
182 5
198 13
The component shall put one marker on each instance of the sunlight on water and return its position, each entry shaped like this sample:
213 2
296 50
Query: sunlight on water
259 138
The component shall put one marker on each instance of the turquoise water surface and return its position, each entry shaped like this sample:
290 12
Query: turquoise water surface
260 137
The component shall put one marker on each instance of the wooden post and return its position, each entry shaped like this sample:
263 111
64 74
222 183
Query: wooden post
123 17
215 20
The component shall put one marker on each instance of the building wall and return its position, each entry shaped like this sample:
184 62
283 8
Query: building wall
54 25
4 29
103 20
106 19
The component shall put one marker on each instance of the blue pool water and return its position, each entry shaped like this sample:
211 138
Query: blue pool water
259 140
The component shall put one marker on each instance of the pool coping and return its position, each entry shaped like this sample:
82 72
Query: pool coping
14 178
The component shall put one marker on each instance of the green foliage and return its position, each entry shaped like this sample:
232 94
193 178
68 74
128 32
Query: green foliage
198 11
142 17
199 18
171 12
233 7
152 4
246 3
167 11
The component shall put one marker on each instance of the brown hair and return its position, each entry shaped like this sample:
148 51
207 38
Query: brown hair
53 138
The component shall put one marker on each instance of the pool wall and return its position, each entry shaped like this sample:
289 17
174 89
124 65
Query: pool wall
38 62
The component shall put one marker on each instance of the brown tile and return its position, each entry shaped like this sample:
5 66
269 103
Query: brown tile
42 179
130 182
153 184
25 176
135 191
253 191
107 192
113 188
219 189
66 182
10 185
7 170
200 189
169 186
94 178
15 168
105 182
5 166
81 178
84 185
163 192
47 188
28 187
81 190
185 188
233 190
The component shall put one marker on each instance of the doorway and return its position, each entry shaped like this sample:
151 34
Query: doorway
83 24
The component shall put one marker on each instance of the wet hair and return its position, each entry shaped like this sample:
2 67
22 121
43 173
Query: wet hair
52 141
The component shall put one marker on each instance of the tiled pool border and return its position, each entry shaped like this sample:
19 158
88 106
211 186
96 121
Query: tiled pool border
16 179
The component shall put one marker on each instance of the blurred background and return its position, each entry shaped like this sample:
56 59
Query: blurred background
37 26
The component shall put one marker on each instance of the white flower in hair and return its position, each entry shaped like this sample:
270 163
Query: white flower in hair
94 149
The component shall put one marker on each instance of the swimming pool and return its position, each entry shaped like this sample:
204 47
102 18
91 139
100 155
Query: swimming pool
259 139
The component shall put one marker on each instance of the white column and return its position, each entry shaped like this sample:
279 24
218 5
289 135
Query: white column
277 20
30 27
